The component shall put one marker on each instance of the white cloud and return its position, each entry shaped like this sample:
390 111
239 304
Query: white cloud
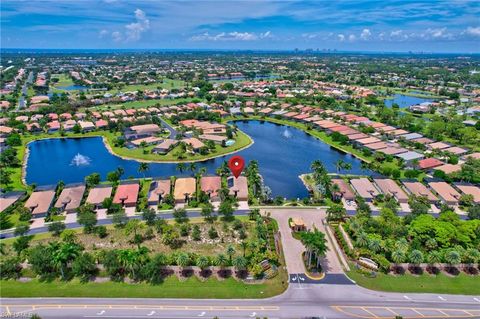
352 38
365 35
133 30
117 36
341 37
232 36
103 33
474 31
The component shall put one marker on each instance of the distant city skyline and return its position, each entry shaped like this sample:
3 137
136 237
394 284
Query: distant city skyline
386 26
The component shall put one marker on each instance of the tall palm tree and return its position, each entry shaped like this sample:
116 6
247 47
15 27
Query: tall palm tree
244 246
230 252
192 167
64 254
143 167
181 167
339 165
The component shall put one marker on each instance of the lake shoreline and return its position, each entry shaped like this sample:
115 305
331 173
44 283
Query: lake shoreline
112 152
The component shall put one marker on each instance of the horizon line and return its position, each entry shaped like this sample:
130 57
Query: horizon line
307 50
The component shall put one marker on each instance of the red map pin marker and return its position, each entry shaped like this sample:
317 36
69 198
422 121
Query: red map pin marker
236 164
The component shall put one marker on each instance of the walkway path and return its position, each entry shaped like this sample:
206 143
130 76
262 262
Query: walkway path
293 248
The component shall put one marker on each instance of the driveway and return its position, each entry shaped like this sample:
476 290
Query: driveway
71 218
293 248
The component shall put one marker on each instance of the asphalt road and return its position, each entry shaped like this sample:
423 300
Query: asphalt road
334 296
301 300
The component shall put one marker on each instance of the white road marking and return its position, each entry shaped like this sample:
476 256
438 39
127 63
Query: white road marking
100 313
201 314
476 299
441 298
151 313
302 279
253 314
294 278
407 297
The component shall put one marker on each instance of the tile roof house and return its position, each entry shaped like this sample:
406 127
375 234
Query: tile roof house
449 168
390 187
70 198
39 202
418 189
184 189
429 163
470 190
345 191
158 190
211 185
139 131
127 194
8 199
98 194
165 146
238 187
446 192
364 188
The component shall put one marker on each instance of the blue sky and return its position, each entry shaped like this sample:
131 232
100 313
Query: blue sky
357 25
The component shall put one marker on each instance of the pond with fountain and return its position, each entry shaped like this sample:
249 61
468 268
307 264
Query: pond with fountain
283 153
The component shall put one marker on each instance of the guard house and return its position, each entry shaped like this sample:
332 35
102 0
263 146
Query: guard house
297 224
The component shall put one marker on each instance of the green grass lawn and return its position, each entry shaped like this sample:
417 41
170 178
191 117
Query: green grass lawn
165 84
461 284
172 287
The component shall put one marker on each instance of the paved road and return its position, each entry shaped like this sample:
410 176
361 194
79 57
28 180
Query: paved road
335 296
299 301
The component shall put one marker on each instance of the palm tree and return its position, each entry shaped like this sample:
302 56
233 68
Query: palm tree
181 167
452 257
183 260
134 226
192 167
416 257
230 252
362 239
398 256
202 262
375 245
221 261
143 167
63 254
316 245
339 165
240 263
473 255
244 246
401 244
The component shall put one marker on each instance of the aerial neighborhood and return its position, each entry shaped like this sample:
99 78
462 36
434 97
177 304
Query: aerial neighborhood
350 177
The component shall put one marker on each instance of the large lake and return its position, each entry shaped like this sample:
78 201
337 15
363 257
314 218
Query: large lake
405 101
283 154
